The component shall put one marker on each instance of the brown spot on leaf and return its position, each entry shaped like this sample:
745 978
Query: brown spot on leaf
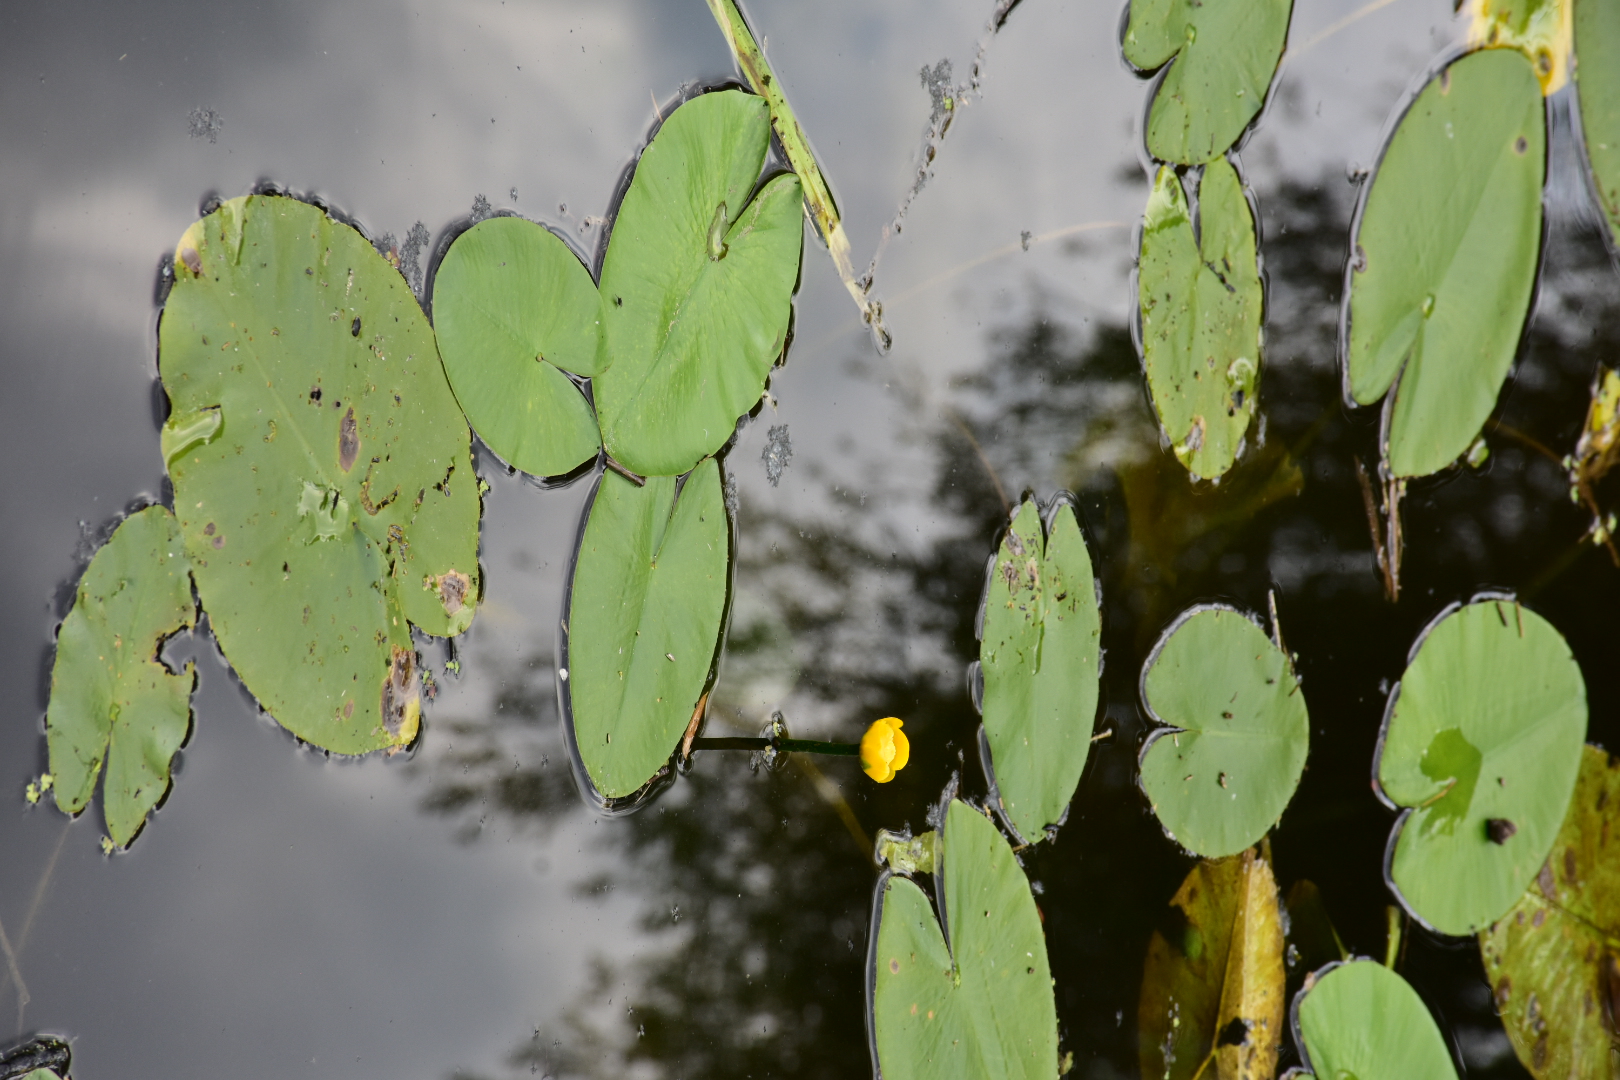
348 441
1520 145
1609 988
1545 881
894 965
1504 991
1569 865
1499 830
453 587
401 696
192 261
1538 1054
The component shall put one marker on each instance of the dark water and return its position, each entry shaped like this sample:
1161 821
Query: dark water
461 912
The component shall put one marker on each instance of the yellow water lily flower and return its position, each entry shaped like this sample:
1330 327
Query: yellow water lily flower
884 749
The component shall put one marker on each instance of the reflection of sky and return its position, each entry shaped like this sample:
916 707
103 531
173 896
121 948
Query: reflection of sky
302 916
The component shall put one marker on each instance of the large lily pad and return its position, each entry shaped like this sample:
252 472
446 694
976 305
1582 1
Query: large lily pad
1230 755
644 620
1554 959
321 468
1214 985
1039 654
1481 743
514 308
112 699
1597 84
1359 1019
1444 257
1201 300
978 1002
1225 56
696 285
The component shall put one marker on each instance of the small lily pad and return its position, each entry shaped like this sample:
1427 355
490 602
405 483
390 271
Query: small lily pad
112 700
1039 654
1359 1019
514 308
322 470
1444 257
696 285
1481 744
1230 755
1224 57
1200 295
980 1003
1554 959
644 620
1213 980
1597 85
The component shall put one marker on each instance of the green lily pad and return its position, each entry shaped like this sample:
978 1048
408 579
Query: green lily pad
1554 959
696 285
1445 252
1359 1019
1230 755
1225 56
1039 654
1201 299
1215 985
1481 743
979 1004
514 308
644 620
322 471
1597 84
112 700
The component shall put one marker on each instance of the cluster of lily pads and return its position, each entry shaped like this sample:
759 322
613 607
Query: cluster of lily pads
1200 296
325 509
324 495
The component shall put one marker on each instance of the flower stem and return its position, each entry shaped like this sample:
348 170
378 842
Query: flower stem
786 746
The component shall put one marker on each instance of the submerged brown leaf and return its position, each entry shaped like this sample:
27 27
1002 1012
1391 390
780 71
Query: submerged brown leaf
1212 984
1554 959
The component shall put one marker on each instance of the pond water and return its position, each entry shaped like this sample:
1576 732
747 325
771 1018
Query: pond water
459 911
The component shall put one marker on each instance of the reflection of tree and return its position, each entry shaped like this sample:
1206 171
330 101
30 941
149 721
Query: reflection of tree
761 972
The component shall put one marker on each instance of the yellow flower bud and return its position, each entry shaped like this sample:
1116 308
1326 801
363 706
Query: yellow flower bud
884 749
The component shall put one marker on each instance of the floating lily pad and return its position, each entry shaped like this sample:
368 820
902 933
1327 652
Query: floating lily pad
644 620
1221 770
1554 959
1201 301
1481 744
696 285
321 468
1360 1019
1214 985
1224 58
979 1004
1039 655
112 700
1444 257
1597 85
514 308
